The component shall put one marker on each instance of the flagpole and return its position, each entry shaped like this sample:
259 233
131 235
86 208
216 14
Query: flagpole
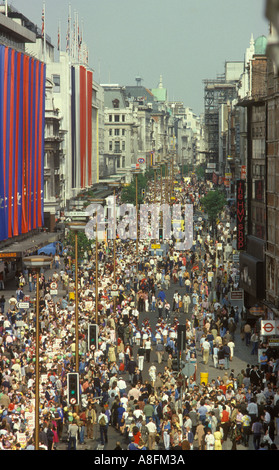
44 32
70 32
59 37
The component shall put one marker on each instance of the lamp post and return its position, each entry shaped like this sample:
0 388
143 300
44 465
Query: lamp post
96 201
161 182
36 263
155 168
76 227
114 185
168 180
136 172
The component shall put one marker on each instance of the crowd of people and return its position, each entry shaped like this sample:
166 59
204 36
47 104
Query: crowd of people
132 380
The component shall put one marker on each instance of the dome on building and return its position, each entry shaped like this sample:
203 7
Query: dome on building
260 45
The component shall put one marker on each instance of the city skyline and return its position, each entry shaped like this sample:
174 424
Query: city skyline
185 42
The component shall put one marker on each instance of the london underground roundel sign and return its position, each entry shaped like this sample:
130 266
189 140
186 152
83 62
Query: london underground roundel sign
268 327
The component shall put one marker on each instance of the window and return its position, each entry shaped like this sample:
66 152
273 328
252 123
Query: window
117 146
56 82
110 118
116 118
123 117
115 103
110 145
123 131
116 131
110 132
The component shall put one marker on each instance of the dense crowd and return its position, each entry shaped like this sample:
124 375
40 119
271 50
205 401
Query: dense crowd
148 402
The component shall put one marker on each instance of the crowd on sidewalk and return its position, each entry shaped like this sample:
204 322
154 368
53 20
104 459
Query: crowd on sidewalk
163 411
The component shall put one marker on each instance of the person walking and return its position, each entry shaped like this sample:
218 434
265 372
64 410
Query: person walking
103 424
218 439
205 351
160 351
225 422
73 436
257 431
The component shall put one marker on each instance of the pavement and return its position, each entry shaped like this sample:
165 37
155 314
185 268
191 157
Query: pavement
242 357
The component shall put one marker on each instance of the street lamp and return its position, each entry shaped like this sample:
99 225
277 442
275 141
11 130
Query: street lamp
155 168
161 181
96 201
136 172
114 185
76 227
167 181
36 263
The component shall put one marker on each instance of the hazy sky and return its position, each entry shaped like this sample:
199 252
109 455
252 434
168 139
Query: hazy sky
185 41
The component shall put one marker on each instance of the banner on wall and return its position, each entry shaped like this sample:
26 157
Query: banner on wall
81 118
22 122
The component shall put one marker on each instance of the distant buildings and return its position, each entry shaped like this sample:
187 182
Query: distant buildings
93 133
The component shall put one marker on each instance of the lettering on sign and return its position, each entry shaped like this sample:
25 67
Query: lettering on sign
240 214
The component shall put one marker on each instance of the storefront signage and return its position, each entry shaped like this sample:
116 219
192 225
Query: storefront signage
9 255
240 214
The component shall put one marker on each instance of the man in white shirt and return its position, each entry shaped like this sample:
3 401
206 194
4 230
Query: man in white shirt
152 430
205 351
121 384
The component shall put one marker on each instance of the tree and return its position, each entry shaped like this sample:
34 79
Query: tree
84 244
200 171
128 193
213 204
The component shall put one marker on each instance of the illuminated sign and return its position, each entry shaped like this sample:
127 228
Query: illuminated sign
240 214
9 255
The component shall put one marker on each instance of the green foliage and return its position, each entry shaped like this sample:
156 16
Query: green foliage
213 204
128 193
84 244
200 171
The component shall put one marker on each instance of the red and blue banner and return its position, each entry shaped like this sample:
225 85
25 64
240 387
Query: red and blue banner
81 118
22 122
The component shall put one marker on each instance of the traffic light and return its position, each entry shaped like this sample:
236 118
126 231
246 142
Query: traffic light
92 336
181 337
161 233
73 388
175 364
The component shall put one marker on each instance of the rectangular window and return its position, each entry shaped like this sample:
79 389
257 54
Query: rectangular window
116 118
56 83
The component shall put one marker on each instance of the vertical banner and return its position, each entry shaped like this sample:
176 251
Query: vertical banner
215 179
89 126
240 214
73 126
81 118
21 160
83 126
